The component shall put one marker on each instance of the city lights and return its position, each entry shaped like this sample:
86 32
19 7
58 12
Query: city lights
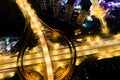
52 58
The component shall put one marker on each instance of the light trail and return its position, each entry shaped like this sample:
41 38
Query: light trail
8 64
100 13
37 28
106 47
30 59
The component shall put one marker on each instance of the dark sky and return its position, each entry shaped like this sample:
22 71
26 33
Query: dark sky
11 18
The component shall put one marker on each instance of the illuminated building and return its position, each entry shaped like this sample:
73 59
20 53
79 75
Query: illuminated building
49 54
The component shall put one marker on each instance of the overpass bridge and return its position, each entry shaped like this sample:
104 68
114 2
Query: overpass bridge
111 47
